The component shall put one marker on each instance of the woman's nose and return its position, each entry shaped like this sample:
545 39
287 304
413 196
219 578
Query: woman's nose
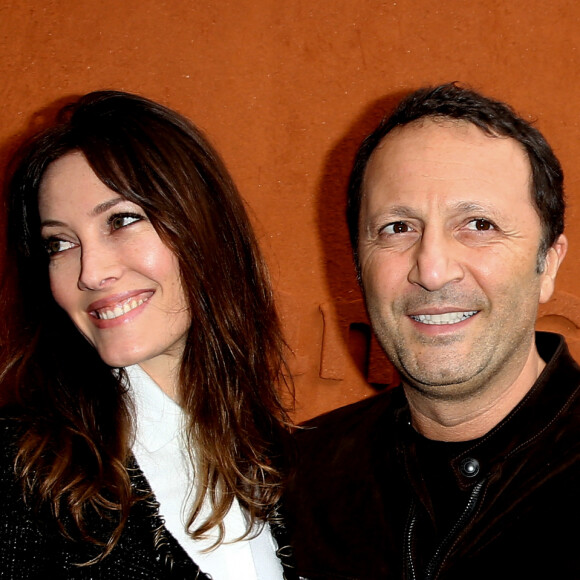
99 267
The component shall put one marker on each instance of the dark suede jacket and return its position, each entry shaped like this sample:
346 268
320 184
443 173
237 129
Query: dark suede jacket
507 505
32 547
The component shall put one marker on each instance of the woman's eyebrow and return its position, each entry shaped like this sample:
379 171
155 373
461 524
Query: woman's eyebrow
97 210
106 205
51 223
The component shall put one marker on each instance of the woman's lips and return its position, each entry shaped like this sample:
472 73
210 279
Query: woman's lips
114 307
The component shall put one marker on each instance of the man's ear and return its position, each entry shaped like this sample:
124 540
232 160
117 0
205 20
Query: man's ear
552 261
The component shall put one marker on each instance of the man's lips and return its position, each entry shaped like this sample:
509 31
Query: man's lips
119 305
444 318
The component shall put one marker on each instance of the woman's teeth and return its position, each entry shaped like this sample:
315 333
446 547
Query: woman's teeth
109 314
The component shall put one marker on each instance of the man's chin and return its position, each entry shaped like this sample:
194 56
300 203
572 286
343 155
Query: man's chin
436 381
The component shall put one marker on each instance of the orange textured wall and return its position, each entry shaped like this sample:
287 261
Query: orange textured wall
286 90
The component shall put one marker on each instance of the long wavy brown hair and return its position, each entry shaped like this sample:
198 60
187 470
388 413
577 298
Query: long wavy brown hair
74 410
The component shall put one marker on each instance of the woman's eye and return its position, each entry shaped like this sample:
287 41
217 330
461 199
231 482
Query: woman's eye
55 246
480 225
396 228
118 221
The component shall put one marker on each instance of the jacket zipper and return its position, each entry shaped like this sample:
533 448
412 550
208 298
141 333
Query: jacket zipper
410 566
433 567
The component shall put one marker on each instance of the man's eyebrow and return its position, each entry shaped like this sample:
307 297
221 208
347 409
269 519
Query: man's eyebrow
401 211
474 207
398 211
469 206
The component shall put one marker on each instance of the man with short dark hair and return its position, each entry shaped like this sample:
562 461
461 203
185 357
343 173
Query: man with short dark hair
470 469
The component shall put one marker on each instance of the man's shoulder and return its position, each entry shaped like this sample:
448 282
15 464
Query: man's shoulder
361 410
335 499
370 418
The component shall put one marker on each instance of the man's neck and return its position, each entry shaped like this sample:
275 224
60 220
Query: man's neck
466 419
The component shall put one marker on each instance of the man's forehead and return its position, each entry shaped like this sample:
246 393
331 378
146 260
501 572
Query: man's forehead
450 151
444 129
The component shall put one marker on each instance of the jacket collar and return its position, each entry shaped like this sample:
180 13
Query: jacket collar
552 393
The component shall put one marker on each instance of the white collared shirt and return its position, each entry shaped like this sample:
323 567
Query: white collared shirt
162 456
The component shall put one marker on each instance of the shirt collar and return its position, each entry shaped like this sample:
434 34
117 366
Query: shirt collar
158 417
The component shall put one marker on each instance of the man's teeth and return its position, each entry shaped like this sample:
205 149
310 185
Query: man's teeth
108 314
447 318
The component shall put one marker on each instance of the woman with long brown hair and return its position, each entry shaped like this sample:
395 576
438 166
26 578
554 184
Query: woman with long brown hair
140 358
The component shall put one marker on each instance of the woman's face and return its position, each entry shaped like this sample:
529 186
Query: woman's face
110 271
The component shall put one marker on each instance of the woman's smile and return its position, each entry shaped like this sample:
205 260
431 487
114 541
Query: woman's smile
117 307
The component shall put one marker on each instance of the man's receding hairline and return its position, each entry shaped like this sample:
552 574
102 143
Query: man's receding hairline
442 120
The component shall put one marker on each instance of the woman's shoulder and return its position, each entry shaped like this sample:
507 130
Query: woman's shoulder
11 429
11 488
23 545
32 545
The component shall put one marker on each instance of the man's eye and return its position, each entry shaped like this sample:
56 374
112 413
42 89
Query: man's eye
480 225
55 246
396 228
118 221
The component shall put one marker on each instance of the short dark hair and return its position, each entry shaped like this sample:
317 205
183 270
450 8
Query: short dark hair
496 119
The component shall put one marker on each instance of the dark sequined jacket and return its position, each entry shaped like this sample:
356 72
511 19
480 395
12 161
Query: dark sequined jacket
32 547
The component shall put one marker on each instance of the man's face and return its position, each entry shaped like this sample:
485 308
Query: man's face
448 251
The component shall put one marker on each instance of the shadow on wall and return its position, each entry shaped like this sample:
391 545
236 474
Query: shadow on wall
38 121
347 331
562 315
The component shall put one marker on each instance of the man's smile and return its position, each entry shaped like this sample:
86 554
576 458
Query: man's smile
446 318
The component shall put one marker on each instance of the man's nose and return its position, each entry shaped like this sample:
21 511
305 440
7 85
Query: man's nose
436 261
100 267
